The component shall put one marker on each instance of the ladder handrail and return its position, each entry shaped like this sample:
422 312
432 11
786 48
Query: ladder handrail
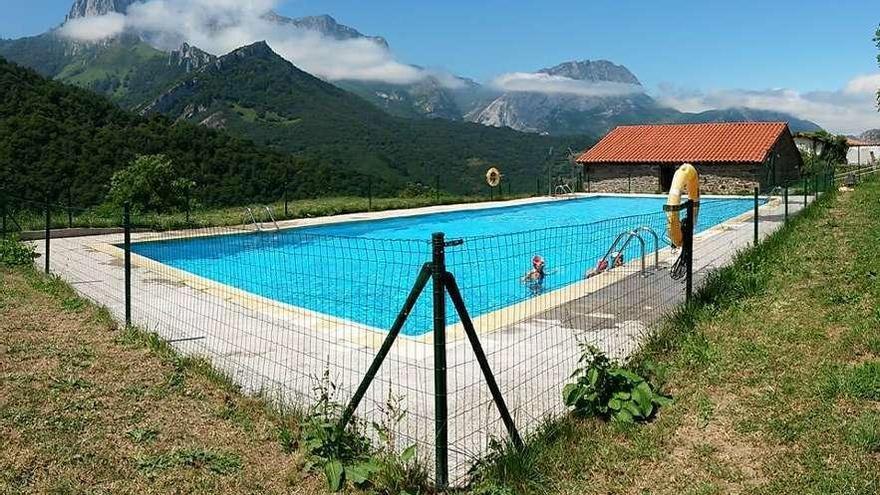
645 228
250 213
562 189
271 216
629 237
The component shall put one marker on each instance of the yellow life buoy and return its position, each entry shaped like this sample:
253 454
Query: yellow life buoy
493 177
686 177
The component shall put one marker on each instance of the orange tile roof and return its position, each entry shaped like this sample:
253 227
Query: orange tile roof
749 142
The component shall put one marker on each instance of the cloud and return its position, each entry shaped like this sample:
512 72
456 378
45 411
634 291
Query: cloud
220 26
850 110
868 84
92 29
550 84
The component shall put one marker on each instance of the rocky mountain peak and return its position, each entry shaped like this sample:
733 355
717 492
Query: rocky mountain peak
325 25
260 49
90 8
593 71
190 57
870 136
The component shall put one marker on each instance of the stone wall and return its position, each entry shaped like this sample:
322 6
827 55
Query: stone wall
622 178
721 178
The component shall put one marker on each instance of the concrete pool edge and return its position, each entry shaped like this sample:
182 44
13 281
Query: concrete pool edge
365 335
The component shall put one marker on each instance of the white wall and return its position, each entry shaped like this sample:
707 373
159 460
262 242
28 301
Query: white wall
861 155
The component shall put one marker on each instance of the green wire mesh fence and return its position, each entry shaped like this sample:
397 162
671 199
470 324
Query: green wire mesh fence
279 307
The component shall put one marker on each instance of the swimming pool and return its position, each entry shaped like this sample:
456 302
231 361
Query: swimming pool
361 271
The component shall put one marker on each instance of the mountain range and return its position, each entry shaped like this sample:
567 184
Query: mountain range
400 134
131 78
870 136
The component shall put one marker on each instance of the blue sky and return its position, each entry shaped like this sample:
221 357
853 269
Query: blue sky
804 45
686 47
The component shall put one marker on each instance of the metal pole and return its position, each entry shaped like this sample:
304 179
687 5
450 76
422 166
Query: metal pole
3 211
688 247
785 194
187 203
629 182
468 324
757 191
286 201
441 434
48 233
370 193
805 191
437 189
69 207
126 223
421 283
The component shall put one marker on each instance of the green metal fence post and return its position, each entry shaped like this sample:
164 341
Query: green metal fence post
188 202
437 189
441 433
69 207
420 284
370 193
785 195
48 232
805 191
3 211
286 201
468 324
757 191
126 225
688 249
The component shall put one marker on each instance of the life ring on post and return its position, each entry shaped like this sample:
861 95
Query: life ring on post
493 177
686 177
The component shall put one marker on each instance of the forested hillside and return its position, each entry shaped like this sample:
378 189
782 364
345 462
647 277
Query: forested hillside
54 136
255 93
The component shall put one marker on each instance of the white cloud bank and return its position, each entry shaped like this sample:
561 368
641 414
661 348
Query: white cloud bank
220 26
850 110
551 84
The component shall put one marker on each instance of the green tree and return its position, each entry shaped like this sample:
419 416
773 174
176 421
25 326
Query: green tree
149 184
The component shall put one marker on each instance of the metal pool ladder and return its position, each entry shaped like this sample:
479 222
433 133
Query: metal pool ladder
257 224
627 237
563 190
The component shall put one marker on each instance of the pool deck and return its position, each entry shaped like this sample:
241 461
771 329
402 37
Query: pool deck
277 350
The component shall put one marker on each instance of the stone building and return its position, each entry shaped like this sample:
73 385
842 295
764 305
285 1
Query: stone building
732 158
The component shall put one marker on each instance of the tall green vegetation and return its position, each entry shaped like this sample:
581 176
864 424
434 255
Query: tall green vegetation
149 184
55 137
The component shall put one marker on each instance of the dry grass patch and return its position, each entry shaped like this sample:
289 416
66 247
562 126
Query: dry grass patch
85 407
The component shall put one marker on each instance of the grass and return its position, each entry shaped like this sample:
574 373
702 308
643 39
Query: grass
32 219
86 407
775 371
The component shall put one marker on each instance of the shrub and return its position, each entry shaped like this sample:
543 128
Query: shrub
347 457
14 253
607 390
149 184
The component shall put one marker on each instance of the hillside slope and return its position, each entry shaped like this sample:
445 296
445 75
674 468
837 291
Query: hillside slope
256 93
54 136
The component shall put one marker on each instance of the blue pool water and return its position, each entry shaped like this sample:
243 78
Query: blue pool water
362 271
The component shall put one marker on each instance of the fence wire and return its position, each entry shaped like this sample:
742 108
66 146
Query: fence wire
278 309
